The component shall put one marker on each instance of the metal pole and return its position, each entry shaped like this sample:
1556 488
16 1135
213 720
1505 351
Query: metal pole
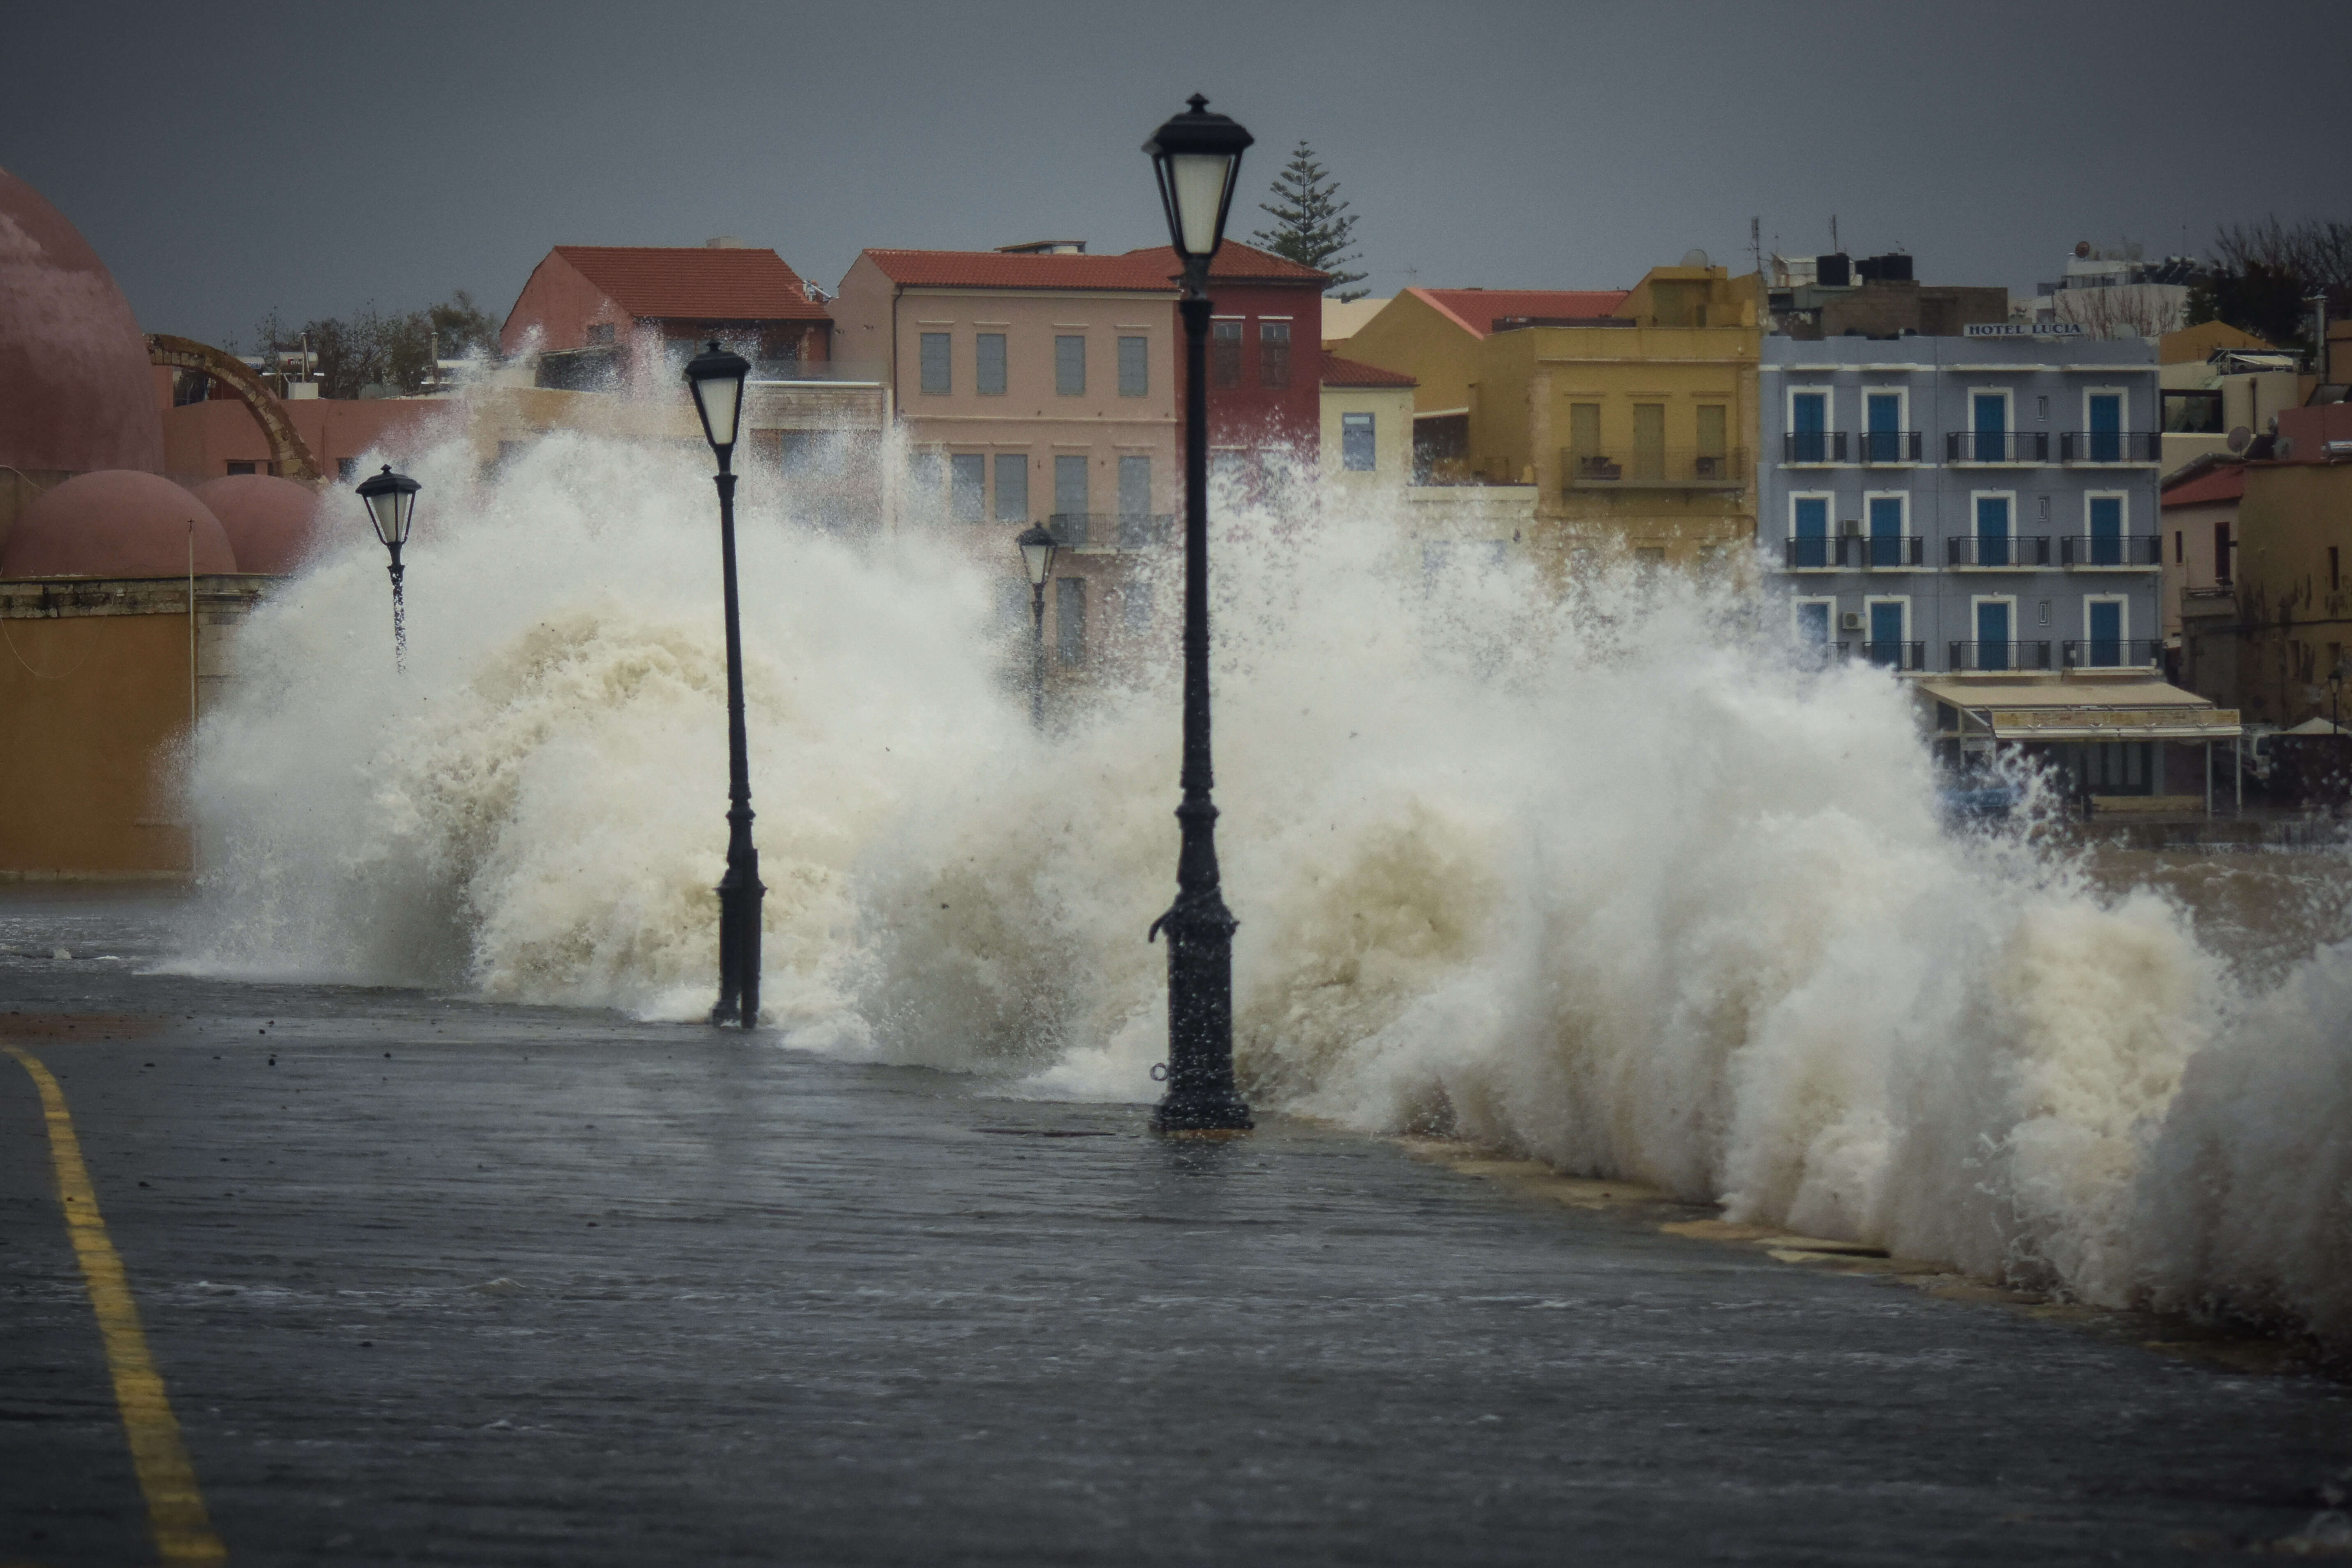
740 892
1201 1094
1037 655
399 618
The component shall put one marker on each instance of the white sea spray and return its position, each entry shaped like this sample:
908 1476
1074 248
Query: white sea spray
1600 879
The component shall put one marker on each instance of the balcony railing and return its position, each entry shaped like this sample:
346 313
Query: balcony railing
1812 447
2110 445
1997 446
2121 653
2111 550
1820 552
2016 553
1888 445
1895 654
1670 468
1098 529
1999 655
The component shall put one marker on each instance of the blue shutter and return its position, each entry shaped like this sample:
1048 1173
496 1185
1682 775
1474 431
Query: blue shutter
2106 619
2106 428
1813 531
2106 531
1886 542
1885 411
1809 421
1886 634
1812 623
1989 417
1992 530
1992 637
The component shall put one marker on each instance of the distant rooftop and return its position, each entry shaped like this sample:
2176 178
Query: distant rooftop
700 283
1478 310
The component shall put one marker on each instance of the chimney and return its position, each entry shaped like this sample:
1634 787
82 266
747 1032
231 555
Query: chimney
723 242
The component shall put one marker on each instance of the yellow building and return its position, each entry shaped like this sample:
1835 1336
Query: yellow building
1631 412
1366 425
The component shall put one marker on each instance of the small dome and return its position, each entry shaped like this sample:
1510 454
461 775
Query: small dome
270 523
115 523
76 392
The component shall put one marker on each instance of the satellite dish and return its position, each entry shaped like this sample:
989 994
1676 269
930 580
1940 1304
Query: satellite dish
2081 250
1696 258
2240 438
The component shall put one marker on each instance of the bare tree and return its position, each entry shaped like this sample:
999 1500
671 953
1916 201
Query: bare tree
2125 309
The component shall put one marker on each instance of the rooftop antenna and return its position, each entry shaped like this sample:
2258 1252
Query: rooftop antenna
1833 244
1755 243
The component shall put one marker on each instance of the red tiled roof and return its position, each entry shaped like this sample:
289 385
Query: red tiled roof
695 282
1478 310
996 270
1237 261
2226 483
1337 372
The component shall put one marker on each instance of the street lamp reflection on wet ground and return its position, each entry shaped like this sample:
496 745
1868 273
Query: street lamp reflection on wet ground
717 378
1037 547
392 506
1197 157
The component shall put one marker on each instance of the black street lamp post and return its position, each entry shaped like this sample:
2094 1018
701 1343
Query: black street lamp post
391 505
1038 549
1197 157
717 378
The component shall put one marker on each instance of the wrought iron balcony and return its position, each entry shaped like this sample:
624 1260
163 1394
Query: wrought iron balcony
1802 447
2012 448
2096 446
1895 654
1999 655
1874 447
2103 653
1669 468
1105 529
1998 551
2087 550
1820 552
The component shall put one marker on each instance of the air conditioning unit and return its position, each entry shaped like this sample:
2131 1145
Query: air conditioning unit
1850 620
1851 527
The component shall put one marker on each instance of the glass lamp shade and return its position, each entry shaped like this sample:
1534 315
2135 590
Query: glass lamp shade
391 505
716 377
1197 156
1038 549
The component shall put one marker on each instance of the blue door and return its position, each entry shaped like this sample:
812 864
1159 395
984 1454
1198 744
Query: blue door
2107 632
1809 424
2106 427
1882 441
2106 531
1812 542
1992 531
1989 417
1813 625
1887 545
1992 637
1887 636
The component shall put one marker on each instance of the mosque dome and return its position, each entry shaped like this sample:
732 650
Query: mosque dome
270 521
115 523
76 392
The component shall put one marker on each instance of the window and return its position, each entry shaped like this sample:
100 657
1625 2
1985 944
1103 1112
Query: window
1812 620
1989 419
2105 625
2041 409
1714 429
2333 581
988 364
1889 621
242 468
2104 525
966 481
1069 365
1134 502
1274 353
1888 513
2180 546
1224 353
1356 445
1882 427
1809 530
1650 441
2103 420
1992 531
1586 460
1134 367
1011 487
1070 620
2221 554
1808 425
1135 605
1070 498
600 334
935 364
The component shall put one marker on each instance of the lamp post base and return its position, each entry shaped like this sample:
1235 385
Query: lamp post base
1202 1115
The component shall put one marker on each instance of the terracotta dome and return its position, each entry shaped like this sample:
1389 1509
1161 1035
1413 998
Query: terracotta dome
270 523
115 523
76 390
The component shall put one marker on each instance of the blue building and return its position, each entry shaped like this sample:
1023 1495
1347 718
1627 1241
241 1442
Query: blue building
1978 503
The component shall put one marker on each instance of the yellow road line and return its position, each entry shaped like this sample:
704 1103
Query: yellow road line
175 1508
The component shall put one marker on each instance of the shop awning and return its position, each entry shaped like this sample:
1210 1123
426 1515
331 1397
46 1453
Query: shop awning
2065 710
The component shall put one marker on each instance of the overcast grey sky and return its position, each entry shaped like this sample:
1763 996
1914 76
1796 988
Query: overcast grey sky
232 157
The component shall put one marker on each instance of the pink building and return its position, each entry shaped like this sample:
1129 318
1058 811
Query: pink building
1035 384
603 316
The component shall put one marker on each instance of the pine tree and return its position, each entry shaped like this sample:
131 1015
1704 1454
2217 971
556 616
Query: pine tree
1312 226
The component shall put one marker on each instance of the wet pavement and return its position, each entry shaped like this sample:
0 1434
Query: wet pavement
432 1281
